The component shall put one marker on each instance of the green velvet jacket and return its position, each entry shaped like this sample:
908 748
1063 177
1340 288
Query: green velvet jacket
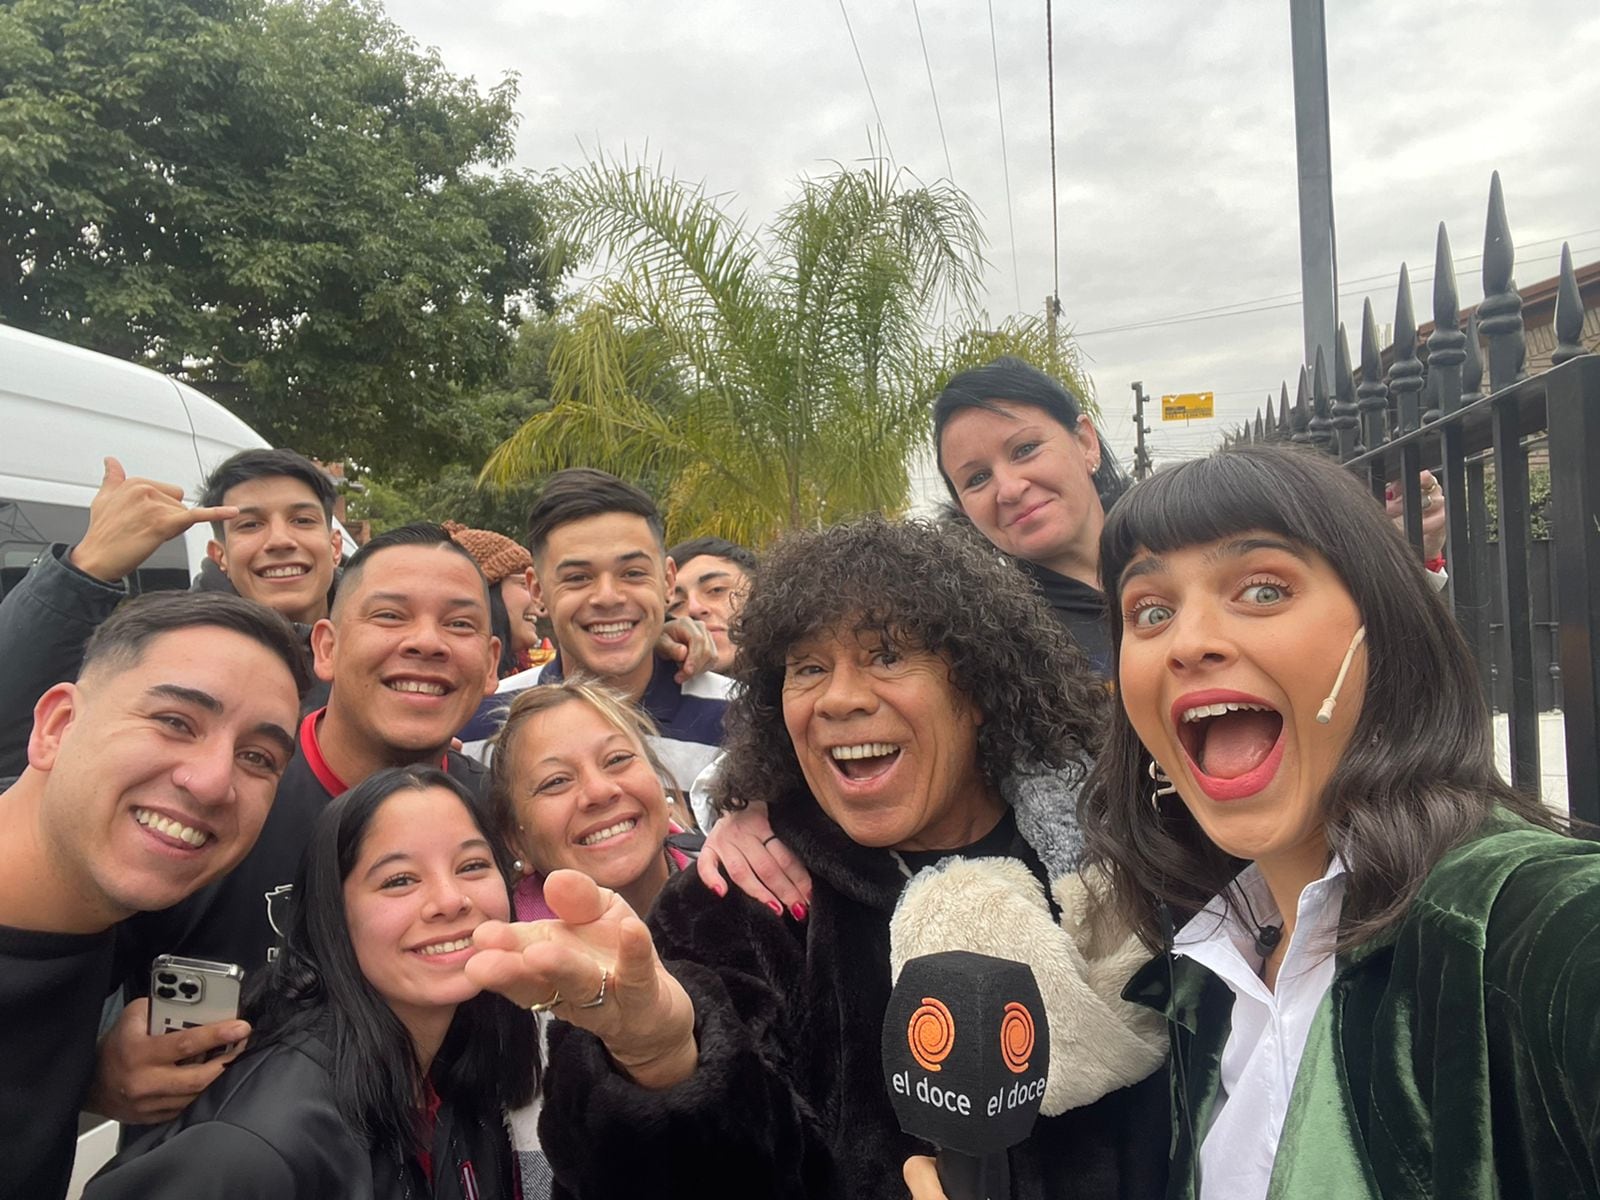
1458 1056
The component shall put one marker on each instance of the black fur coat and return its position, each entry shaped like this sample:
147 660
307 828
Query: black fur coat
788 1099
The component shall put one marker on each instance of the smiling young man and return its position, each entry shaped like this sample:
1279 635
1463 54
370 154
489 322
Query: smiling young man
280 548
146 780
408 656
602 572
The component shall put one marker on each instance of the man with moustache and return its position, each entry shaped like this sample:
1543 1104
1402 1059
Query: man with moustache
147 779
408 655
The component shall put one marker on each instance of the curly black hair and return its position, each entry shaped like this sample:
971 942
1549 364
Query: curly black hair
920 586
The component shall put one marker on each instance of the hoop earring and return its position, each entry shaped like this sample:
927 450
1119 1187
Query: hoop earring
1164 786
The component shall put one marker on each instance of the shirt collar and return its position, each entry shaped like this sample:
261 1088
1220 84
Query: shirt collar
1220 938
312 749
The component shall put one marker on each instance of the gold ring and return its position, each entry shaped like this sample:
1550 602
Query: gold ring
600 996
546 1005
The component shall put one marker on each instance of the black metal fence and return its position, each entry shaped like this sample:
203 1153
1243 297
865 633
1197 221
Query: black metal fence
1434 413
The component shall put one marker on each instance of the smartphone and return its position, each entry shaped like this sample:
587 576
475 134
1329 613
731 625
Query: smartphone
185 992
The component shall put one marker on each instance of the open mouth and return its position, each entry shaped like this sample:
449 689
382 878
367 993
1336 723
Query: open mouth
610 631
284 571
616 830
1234 746
417 687
865 760
170 829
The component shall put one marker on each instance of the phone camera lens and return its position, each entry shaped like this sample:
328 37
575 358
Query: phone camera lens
167 977
189 988
165 993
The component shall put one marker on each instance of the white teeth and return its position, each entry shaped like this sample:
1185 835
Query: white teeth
169 827
607 628
282 572
417 685
446 947
1201 711
610 831
865 750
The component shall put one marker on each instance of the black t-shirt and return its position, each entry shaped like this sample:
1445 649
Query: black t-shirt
52 986
1081 610
1003 841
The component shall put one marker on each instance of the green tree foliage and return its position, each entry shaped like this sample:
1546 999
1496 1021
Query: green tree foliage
286 202
769 383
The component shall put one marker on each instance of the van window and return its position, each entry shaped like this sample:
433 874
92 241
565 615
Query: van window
29 527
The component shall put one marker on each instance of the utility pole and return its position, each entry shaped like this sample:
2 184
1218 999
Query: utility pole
1319 279
1052 310
1141 456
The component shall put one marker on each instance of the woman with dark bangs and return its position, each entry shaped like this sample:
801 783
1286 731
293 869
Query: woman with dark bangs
883 717
1386 966
376 1068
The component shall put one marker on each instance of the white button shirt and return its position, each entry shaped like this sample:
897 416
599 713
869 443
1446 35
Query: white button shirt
1262 1054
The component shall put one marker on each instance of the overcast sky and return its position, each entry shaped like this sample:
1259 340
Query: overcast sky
1174 145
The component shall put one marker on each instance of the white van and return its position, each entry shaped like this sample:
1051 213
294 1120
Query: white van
62 410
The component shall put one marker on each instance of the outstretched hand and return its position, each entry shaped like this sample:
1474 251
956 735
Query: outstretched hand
130 518
644 1017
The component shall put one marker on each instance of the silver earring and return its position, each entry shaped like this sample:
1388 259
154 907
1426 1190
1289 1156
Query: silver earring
1164 786
519 867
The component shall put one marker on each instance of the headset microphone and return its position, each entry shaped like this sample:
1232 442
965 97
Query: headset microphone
1325 713
966 1050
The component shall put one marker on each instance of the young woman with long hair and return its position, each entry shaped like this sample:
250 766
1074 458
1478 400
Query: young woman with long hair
1378 963
375 1067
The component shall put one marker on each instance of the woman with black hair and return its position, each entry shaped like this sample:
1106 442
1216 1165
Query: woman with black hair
1385 972
376 1068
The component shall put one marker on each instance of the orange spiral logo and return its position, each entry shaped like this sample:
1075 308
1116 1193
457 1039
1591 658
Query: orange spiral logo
931 1033
1016 1037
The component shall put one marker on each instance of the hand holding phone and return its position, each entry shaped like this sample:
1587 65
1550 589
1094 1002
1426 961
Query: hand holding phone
140 1079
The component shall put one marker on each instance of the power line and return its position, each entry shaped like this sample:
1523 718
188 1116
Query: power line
1289 299
1005 159
861 62
950 171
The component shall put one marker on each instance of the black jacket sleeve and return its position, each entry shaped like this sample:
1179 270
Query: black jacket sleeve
44 623
738 1119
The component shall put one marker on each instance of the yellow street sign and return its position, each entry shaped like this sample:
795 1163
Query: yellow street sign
1191 406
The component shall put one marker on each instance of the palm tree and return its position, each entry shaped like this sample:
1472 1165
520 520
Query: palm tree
802 362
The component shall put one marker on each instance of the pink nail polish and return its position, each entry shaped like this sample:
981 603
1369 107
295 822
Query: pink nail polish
719 888
777 909
799 911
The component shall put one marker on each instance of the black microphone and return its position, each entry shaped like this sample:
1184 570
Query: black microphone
966 1050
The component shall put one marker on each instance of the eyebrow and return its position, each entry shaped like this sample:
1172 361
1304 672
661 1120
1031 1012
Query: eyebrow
399 855
629 556
205 700
707 576
188 695
297 506
1238 548
404 598
1025 430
